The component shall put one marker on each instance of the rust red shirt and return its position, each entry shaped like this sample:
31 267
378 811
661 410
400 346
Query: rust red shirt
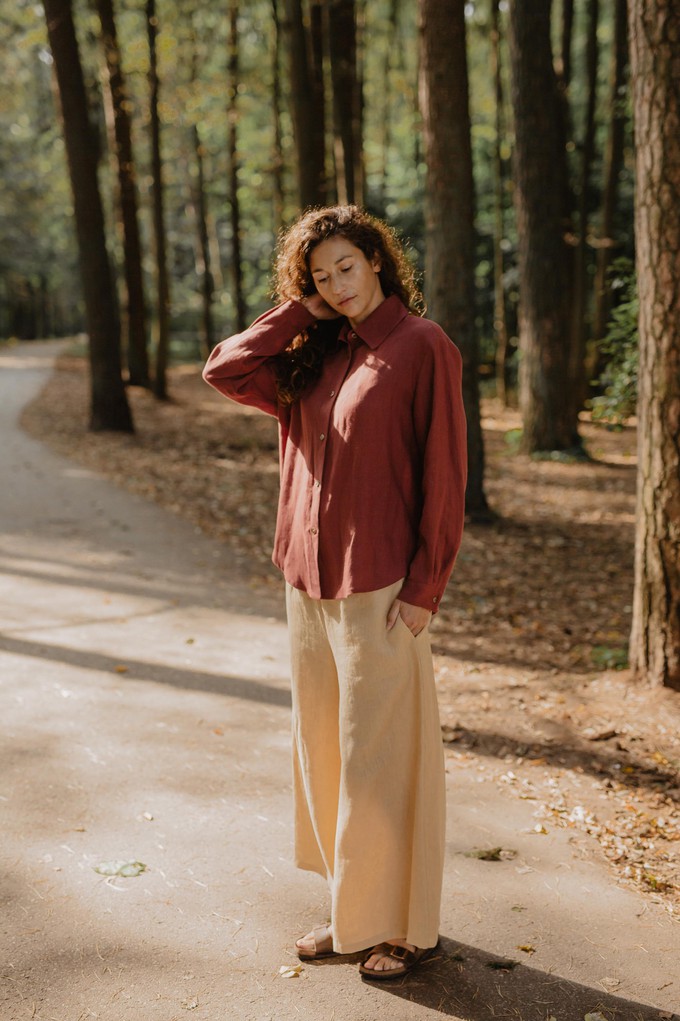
373 456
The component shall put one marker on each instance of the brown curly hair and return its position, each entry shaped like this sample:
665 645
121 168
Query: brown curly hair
302 361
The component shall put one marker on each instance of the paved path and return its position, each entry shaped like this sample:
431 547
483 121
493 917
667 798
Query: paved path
145 716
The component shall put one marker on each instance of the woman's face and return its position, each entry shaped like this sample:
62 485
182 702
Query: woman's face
345 278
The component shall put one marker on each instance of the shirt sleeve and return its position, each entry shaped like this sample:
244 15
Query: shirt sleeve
240 366
439 420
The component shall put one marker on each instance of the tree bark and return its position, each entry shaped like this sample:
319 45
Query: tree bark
499 315
277 148
162 278
232 147
655 638
109 406
567 32
577 375
135 319
449 259
613 163
307 103
549 422
200 204
347 103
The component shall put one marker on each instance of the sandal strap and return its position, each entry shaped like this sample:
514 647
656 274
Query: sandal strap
323 939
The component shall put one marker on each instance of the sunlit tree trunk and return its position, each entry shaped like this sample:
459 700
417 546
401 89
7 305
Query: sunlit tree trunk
135 318
109 406
655 638
549 422
449 260
162 277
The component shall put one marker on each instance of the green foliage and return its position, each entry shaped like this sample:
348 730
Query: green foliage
610 658
35 204
620 348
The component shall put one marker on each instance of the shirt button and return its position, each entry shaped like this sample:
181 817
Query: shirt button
332 393
313 531
317 484
322 436
352 335
434 599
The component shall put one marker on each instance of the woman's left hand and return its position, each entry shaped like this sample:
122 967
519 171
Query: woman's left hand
416 618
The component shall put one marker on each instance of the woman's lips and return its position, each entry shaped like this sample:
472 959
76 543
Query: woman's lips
345 300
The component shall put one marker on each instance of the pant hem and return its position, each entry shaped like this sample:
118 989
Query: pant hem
367 944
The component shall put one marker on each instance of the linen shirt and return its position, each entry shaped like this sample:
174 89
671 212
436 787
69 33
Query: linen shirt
372 456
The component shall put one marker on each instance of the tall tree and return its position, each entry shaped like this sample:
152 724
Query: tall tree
277 148
655 638
232 147
577 375
613 162
162 276
119 105
499 314
307 100
109 406
549 421
449 260
347 100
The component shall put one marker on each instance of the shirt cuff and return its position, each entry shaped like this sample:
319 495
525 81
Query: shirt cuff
427 596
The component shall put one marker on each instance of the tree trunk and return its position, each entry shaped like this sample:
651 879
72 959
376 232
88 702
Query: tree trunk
655 638
347 131
565 43
449 260
162 279
386 106
109 406
577 376
544 258
135 319
277 151
234 198
307 105
499 316
204 261
613 163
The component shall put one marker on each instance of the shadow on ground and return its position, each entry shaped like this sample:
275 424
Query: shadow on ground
464 982
138 670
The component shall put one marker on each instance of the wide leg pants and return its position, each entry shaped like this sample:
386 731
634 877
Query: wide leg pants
368 768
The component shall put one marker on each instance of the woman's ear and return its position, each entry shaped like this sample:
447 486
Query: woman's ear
376 264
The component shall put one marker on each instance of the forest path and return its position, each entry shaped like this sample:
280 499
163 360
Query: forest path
145 717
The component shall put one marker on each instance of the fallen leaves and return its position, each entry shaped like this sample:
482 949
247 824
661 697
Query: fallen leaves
290 970
124 869
492 854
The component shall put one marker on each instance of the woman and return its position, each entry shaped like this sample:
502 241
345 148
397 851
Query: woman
370 517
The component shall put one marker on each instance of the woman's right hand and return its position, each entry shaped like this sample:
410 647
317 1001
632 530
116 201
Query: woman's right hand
320 309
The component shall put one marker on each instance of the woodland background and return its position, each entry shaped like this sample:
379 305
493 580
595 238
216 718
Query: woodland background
517 146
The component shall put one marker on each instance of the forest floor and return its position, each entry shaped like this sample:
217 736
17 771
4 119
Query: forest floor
530 642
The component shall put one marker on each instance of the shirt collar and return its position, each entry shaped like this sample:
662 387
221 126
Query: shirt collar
376 327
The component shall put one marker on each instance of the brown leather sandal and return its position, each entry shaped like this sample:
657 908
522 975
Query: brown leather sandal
323 945
408 959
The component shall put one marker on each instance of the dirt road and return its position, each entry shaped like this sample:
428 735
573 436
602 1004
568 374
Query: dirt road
145 718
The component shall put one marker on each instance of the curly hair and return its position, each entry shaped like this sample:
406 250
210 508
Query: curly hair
302 361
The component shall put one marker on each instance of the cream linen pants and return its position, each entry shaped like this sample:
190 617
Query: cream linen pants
368 767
